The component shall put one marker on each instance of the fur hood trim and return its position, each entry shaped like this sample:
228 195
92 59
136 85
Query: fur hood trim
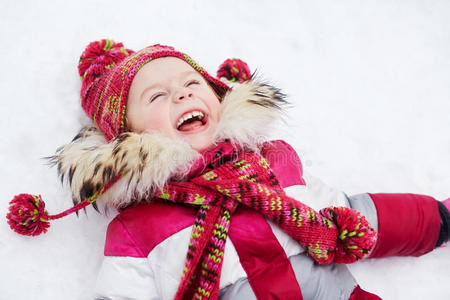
147 161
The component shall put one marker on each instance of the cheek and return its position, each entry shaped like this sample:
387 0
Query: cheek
214 107
157 120
152 117
213 104
157 117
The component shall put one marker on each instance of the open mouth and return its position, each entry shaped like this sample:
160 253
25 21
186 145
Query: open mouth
192 121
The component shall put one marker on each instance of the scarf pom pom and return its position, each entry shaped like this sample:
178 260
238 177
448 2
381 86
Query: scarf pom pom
234 70
27 215
356 237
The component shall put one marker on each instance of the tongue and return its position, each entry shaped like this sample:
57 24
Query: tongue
190 126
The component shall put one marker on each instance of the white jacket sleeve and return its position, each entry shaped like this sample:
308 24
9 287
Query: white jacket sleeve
126 278
317 194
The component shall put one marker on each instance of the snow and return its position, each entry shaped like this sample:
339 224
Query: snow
369 82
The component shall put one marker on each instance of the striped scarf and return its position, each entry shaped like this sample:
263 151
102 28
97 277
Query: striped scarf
336 234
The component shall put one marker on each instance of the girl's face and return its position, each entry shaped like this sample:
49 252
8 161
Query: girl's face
169 96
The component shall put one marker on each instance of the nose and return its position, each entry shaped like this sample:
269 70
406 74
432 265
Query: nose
184 94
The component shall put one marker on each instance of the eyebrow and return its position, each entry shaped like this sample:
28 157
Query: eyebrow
182 75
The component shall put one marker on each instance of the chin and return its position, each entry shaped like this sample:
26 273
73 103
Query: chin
200 147
200 144
199 141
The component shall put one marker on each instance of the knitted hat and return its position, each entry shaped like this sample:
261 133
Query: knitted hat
107 70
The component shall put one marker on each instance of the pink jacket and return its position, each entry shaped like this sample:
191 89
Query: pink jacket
146 244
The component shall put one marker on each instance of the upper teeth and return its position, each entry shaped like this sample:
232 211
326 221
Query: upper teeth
189 115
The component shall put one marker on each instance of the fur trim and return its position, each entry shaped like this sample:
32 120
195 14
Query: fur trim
248 110
89 162
147 161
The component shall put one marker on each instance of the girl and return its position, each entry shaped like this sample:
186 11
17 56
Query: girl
208 207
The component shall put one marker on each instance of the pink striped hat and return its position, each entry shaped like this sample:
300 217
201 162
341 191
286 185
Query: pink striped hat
107 70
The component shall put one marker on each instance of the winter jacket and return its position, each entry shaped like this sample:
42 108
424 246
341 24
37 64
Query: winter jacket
146 244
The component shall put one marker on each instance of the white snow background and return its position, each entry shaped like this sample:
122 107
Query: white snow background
369 81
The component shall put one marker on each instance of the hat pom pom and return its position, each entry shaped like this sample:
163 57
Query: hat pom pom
27 215
234 70
356 237
100 56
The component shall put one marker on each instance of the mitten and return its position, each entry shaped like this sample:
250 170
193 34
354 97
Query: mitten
444 234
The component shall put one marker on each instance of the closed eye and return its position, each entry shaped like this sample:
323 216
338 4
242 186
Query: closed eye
192 82
153 98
